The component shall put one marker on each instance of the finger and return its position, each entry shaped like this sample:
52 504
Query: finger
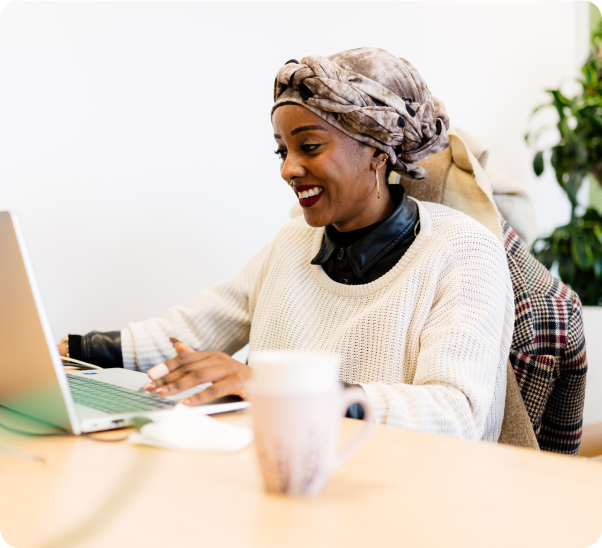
190 362
233 385
194 378
162 369
180 346
158 371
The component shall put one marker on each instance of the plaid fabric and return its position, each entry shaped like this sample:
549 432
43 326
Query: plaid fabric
548 349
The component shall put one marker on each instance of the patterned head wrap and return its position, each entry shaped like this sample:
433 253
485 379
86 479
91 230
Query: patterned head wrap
372 96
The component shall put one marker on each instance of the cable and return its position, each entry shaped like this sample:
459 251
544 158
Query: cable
113 440
83 365
33 434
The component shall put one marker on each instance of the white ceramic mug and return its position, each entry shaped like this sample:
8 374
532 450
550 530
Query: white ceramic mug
298 403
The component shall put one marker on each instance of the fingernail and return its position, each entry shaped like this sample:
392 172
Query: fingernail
185 402
149 387
163 390
158 371
173 341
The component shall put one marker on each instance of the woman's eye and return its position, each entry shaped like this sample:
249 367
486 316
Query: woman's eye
305 148
309 148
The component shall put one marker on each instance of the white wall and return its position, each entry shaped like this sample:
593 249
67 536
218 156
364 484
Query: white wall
136 140
592 323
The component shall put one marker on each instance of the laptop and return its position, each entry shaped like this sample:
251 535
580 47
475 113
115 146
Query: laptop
33 381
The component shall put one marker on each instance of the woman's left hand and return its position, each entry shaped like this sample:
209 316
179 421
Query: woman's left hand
189 369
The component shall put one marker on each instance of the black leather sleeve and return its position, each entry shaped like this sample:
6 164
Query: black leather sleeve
356 410
102 349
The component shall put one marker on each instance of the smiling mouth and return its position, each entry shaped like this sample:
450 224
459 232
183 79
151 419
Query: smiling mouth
308 195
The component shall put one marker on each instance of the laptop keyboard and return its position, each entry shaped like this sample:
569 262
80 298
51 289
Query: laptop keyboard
113 399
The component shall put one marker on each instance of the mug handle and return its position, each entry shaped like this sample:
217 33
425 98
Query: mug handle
355 395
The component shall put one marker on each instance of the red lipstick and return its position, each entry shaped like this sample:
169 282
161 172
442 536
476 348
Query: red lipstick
308 202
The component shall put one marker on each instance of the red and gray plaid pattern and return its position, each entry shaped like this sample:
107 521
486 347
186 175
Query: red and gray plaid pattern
548 349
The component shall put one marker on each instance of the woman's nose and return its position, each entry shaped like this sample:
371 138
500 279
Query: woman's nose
291 168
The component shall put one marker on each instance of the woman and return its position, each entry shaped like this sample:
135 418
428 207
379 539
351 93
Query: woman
414 296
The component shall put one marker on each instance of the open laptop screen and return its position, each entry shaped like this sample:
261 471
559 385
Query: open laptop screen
31 377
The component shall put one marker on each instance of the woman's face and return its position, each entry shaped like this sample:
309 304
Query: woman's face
335 170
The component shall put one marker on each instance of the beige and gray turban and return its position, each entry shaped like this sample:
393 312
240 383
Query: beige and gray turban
372 96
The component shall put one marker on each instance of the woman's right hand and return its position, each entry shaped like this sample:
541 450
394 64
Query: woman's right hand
190 368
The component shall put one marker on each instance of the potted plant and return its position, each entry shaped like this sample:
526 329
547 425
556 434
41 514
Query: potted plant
575 250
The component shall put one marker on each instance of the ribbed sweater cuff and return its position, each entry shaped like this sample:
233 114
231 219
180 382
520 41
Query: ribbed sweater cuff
378 402
127 350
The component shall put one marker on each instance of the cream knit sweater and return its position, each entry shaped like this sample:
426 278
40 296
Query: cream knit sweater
428 341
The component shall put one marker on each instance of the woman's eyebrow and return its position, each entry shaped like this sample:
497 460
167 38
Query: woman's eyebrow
299 130
306 128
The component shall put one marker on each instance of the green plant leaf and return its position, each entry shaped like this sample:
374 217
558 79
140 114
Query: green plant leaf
581 250
567 270
558 97
598 232
571 186
591 78
538 163
598 266
576 248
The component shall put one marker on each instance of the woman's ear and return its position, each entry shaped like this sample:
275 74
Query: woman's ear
379 159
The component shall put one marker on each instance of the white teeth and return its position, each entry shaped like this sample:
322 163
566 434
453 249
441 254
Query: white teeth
309 193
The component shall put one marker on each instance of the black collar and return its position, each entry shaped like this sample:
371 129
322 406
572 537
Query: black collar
371 243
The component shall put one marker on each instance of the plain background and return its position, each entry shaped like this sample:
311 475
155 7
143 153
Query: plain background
136 138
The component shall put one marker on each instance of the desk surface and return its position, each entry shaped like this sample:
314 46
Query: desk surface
400 488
